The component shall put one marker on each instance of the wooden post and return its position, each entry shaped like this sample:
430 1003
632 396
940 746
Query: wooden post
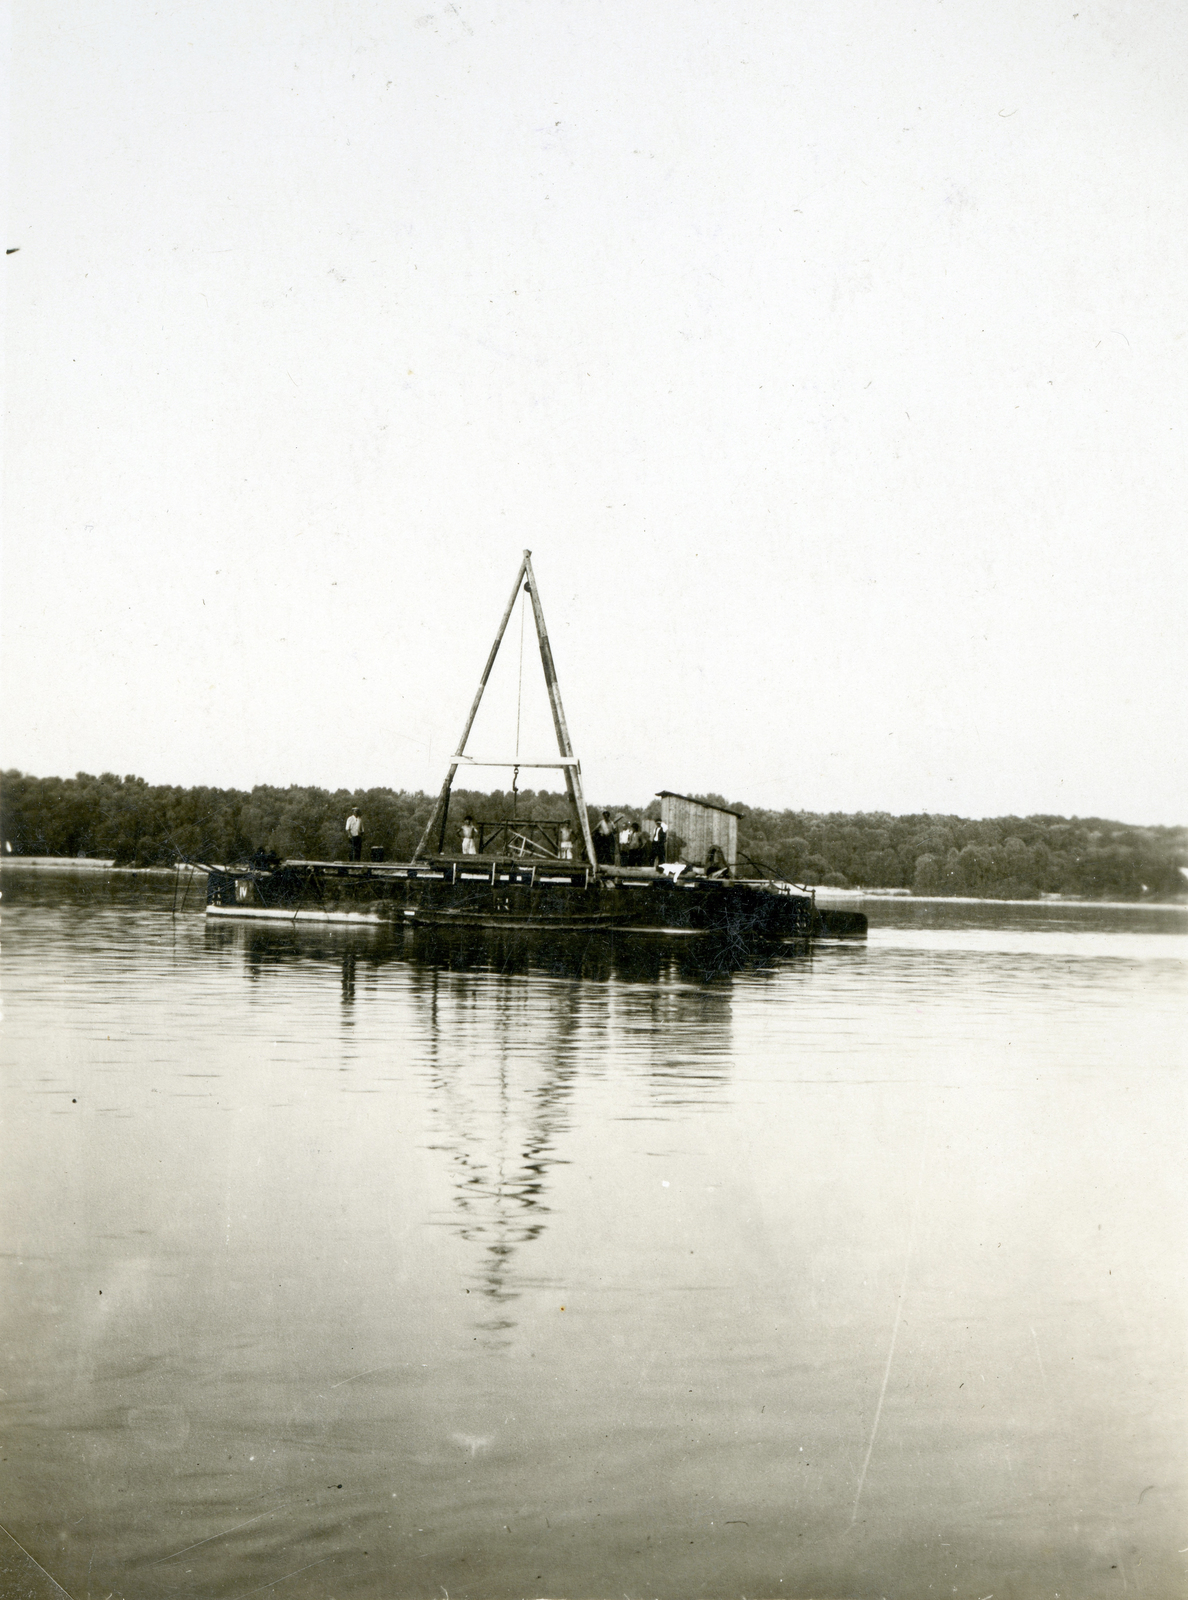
573 775
443 799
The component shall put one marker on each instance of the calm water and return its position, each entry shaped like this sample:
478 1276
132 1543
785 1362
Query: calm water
337 1266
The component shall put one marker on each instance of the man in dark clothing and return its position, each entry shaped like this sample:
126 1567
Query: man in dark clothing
659 843
604 839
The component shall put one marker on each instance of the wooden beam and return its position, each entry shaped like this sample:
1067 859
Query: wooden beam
573 775
568 763
443 800
561 762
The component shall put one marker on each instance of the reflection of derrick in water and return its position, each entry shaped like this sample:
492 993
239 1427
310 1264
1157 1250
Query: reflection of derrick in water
501 1135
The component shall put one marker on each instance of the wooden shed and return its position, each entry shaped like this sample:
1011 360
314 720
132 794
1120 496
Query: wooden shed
693 825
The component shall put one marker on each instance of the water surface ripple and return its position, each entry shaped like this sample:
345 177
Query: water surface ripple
337 1264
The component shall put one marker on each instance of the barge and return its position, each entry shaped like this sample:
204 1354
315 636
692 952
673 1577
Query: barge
546 877
445 891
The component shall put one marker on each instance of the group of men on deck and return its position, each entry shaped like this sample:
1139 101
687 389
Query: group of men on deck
617 842
625 844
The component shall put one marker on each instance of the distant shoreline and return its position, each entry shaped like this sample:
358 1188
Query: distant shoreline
135 824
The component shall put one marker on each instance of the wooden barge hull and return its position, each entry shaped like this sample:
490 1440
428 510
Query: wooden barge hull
564 897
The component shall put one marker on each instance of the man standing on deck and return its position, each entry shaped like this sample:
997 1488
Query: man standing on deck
354 828
604 839
659 852
636 847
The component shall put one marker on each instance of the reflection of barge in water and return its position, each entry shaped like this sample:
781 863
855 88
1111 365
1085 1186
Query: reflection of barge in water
537 886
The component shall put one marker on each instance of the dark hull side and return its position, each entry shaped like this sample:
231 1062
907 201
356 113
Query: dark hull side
477 893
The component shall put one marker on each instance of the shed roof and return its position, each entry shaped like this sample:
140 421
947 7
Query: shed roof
671 794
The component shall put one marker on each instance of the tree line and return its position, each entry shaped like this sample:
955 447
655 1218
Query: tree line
136 823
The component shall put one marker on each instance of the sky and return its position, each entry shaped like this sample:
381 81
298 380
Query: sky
828 356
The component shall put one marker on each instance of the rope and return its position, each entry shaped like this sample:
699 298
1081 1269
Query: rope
520 684
519 702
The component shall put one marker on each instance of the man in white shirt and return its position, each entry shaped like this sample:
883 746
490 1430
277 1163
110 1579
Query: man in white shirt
354 828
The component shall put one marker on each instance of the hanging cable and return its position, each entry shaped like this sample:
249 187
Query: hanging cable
519 702
520 684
